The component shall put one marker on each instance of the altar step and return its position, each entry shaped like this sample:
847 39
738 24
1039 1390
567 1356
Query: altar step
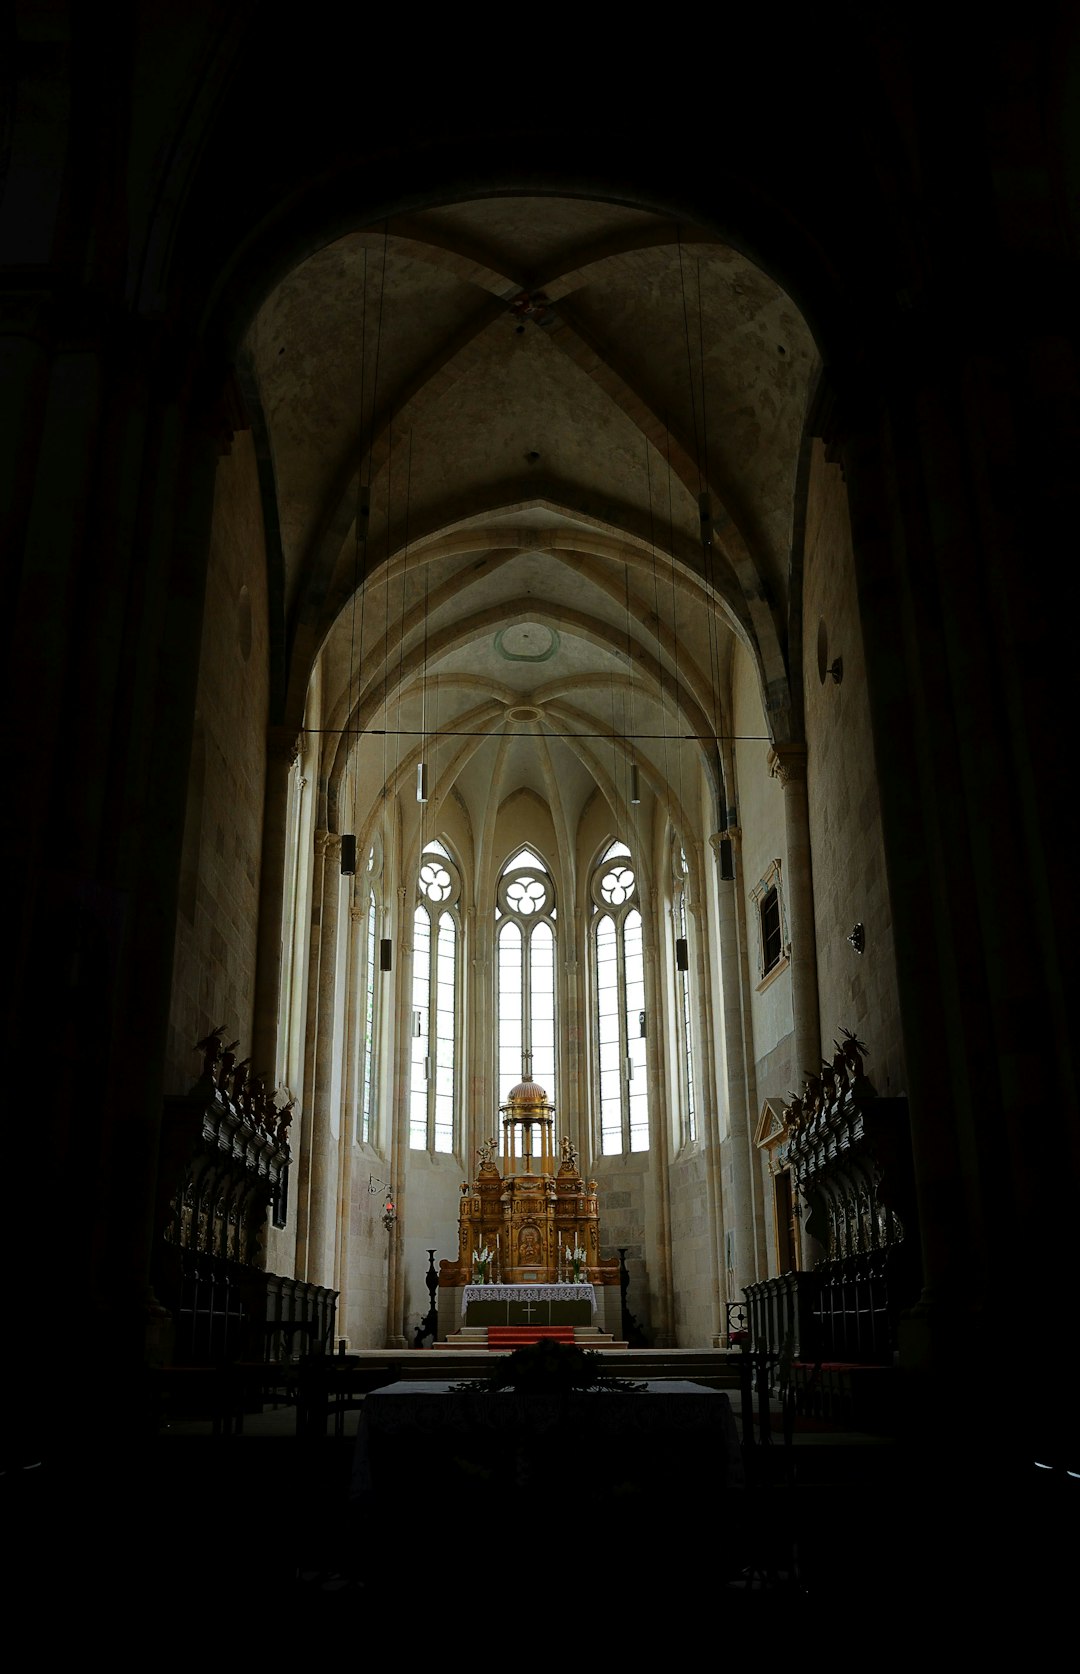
505 1338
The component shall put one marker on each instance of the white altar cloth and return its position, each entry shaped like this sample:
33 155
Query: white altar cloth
527 1293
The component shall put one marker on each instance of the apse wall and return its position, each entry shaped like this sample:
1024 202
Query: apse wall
761 822
855 990
215 951
693 1189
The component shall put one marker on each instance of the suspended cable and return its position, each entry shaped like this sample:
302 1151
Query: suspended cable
708 548
552 732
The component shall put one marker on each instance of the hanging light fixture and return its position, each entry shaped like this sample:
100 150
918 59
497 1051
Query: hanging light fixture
389 1210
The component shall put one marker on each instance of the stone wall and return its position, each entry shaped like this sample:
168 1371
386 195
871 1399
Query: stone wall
855 990
214 959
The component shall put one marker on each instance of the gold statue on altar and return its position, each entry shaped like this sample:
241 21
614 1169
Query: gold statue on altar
535 1221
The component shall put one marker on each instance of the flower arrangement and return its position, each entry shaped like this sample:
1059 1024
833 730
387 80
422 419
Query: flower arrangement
482 1265
576 1258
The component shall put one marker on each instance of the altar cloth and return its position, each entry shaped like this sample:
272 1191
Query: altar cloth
527 1293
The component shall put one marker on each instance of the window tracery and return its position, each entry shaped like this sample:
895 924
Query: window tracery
433 1057
526 939
684 1022
619 996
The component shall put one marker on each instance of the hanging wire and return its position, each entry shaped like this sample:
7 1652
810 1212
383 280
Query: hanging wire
614 741
348 841
635 786
708 549
401 622
674 612
385 943
656 614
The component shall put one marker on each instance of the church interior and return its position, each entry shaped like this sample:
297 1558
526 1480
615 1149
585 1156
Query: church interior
536 558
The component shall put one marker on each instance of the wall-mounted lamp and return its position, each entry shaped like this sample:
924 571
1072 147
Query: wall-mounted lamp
389 1214
348 856
836 669
857 937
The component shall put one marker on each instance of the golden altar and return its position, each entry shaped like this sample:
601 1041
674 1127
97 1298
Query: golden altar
533 1221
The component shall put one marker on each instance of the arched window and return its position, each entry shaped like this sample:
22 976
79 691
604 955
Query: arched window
369 991
525 915
687 1092
434 1056
619 985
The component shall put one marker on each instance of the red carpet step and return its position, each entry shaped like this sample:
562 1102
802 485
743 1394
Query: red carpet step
517 1336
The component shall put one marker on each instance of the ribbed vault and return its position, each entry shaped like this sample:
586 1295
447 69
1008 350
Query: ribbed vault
536 416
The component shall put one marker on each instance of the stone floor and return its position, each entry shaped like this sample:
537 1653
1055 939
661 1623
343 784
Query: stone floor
260 1528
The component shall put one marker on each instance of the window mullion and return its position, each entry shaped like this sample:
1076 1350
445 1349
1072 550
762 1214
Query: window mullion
526 998
624 1031
433 1028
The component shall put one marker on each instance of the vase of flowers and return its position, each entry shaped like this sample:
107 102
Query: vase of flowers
576 1260
482 1266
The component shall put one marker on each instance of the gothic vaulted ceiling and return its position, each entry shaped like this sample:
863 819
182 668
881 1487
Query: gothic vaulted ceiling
519 444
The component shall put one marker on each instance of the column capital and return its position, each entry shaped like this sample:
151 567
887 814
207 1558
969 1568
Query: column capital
787 762
283 745
327 843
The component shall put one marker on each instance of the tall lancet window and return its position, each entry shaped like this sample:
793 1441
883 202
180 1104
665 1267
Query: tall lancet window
619 990
687 1094
525 930
434 1055
369 996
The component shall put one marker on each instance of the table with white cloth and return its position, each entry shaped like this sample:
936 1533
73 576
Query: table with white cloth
671 1444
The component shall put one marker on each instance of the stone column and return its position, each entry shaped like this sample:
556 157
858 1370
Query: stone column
281 757
575 1086
705 1076
658 1175
318 1171
742 1203
479 1118
399 1132
105 508
787 762
352 1095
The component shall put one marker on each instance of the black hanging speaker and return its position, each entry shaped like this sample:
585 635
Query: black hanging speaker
348 856
386 954
682 954
727 860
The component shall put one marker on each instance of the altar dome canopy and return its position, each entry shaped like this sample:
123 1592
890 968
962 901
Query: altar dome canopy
528 1094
